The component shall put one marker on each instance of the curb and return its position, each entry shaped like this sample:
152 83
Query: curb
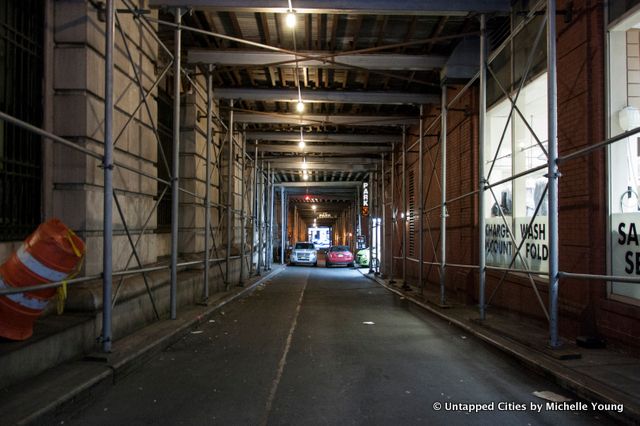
93 376
583 386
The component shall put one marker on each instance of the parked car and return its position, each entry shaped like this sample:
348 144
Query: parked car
303 253
362 257
339 255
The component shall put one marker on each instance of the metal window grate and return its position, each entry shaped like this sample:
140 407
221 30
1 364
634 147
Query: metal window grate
411 218
165 126
21 74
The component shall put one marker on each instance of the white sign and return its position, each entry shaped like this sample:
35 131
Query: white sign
535 249
625 251
365 194
500 248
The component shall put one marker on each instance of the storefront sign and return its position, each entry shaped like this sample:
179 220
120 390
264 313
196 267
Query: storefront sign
625 251
500 248
535 249
498 243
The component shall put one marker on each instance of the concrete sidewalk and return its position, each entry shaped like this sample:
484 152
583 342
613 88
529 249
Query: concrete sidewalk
597 375
74 382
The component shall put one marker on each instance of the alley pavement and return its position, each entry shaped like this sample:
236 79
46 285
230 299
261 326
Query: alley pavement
318 346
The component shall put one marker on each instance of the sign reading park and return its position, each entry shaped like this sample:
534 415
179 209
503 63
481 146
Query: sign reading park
365 198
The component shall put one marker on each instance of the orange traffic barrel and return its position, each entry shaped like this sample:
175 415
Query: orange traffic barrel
52 253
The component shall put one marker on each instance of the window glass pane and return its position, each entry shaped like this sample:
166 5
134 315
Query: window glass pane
516 143
624 162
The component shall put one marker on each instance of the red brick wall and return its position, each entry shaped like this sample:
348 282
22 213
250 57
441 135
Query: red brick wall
584 306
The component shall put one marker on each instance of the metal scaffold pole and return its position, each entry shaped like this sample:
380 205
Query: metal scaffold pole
107 164
482 260
259 205
404 209
420 204
443 206
254 227
243 217
553 174
267 219
207 199
229 206
383 217
370 222
271 218
392 171
175 188
283 228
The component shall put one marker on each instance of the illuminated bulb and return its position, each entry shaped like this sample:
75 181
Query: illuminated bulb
291 20
300 107
313 207
304 165
402 215
301 144
305 176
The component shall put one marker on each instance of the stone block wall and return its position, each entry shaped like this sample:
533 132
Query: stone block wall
78 109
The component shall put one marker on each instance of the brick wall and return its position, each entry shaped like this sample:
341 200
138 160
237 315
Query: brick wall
584 305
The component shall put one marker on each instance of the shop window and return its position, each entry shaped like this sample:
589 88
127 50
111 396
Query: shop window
514 146
624 157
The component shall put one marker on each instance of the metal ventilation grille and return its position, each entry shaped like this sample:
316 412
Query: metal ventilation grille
411 216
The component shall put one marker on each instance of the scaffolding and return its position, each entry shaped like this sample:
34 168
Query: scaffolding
258 186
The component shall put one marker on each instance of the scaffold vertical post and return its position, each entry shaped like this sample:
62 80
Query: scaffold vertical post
254 213
267 256
243 216
230 185
283 226
260 204
271 217
370 221
392 171
403 215
107 164
175 169
383 216
553 174
482 111
207 193
443 183
420 203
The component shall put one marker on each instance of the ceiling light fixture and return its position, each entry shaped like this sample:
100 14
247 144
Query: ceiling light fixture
290 19
301 144
300 106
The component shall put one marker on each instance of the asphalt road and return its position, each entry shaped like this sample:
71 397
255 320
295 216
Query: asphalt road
323 346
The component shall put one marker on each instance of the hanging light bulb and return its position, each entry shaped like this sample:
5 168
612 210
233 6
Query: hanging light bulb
304 163
301 144
300 107
290 19
305 175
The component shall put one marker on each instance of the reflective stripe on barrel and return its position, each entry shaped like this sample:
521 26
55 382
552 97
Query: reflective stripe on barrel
24 300
38 268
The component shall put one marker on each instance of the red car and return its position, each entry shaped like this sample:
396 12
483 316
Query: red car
339 255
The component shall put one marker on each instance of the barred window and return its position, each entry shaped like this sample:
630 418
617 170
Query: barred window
21 74
165 126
